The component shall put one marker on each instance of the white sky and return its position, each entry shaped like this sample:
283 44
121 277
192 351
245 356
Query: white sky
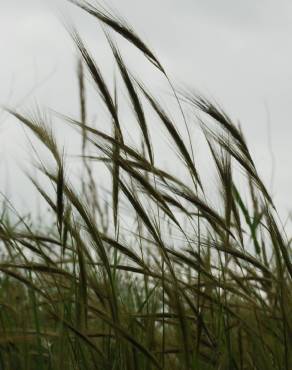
239 52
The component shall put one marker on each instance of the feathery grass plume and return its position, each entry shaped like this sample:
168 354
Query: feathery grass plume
121 27
251 223
238 149
222 161
167 280
173 133
37 125
136 104
90 188
98 79
116 165
82 100
60 198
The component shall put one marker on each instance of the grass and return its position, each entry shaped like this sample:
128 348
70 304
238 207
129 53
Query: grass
159 277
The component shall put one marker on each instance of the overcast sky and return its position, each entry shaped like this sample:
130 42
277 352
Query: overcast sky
238 52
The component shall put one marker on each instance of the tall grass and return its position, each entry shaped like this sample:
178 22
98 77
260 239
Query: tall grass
160 278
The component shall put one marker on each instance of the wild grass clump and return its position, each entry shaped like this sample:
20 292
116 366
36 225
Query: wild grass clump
147 274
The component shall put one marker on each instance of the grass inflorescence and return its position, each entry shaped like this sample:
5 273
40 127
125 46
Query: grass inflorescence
156 276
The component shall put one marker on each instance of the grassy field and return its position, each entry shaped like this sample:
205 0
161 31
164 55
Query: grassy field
149 273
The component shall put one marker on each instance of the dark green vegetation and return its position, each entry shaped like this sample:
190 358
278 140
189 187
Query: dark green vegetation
161 279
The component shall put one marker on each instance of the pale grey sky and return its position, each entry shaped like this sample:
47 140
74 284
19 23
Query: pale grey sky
238 52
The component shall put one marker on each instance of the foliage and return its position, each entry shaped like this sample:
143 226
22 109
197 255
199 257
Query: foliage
161 279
